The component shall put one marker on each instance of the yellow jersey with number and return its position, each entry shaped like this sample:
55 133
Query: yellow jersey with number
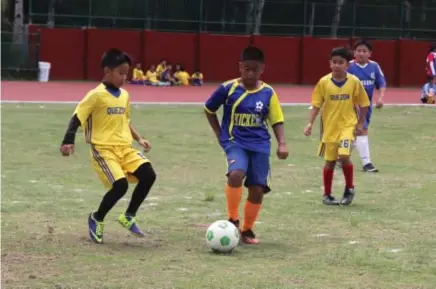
339 103
104 114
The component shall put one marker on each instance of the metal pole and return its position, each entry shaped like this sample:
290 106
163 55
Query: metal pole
200 18
353 32
30 11
303 31
90 14
402 19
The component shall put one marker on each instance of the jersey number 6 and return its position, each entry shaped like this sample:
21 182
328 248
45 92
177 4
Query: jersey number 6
344 143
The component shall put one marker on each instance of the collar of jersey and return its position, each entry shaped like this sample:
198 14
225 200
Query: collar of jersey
262 86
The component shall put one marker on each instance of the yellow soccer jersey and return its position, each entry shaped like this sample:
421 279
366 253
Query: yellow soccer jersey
339 103
105 117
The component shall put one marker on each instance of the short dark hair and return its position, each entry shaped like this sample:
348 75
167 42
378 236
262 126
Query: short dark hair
432 47
253 53
363 42
114 58
341 52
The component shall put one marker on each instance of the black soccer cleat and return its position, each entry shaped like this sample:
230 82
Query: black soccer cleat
348 197
235 222
330 201
369 168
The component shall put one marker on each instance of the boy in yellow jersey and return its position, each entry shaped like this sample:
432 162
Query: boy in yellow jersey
183 77
249 107
104 114
160 68
197 78
138 75
338 94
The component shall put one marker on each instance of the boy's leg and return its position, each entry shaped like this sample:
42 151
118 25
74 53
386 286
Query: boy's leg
362 144
344 152
237 163
111 174
329 151
138 169
258 184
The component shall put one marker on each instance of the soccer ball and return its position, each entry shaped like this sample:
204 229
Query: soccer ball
222 236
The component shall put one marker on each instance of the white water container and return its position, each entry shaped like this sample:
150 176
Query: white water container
44 71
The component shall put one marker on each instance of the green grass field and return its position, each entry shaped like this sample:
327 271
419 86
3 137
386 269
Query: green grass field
385 240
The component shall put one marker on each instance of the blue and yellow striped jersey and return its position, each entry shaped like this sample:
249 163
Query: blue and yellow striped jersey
246 114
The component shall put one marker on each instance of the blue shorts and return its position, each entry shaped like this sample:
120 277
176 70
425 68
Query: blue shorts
255 165
368 117
197 82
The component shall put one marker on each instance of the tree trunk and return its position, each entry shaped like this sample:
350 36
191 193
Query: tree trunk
258 10
51 14
337 18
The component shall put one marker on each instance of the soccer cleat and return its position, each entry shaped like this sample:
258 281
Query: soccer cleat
330 201
95 229
129 223
348 197
369 168
235 222
248 237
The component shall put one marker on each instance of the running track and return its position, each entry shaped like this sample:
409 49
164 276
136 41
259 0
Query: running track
59 92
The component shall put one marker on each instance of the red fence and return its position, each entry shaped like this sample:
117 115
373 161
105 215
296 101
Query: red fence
76 53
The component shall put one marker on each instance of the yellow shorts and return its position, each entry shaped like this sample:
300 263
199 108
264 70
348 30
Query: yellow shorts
331 150
112 163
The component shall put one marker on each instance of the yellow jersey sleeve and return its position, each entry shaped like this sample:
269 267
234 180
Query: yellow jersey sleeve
318 95
275 114
361 97
86 106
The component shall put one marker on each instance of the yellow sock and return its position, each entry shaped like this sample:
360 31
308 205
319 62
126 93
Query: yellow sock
251 211
234 196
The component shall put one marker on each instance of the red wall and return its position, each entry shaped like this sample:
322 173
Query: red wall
76 53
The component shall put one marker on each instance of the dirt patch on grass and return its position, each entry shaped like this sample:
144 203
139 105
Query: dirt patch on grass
21 266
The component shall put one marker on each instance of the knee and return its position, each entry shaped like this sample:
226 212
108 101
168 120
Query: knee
235 178
255 194
345 160
146 172
330 164
120 187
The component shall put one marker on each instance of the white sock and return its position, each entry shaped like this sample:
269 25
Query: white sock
362 145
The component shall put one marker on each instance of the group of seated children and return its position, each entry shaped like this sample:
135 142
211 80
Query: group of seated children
428 94
163 75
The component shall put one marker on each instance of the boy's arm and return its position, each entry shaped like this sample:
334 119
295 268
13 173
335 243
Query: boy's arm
362 100
215 101
317 102
380 83
276 119
135 134
80 116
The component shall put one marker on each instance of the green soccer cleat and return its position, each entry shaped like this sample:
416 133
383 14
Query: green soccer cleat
129 223
95 229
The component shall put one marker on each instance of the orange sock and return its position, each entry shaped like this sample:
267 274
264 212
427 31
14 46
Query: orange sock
234 196
250 215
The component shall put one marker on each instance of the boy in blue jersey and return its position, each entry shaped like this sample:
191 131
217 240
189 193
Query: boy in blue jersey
248 105
371 76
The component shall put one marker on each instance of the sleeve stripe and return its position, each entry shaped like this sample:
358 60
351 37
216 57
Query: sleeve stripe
208 110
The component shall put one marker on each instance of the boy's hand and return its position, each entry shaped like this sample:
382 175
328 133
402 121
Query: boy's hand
145 144
282 151
67 149
379 103
359 129
308 130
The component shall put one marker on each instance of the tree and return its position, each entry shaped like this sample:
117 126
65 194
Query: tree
254 16
337 17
